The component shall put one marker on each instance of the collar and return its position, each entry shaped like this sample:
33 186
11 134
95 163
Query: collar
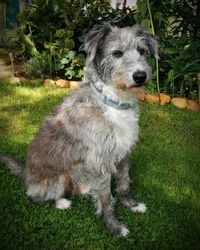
109 102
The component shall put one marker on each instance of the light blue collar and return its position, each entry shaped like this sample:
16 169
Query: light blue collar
109 102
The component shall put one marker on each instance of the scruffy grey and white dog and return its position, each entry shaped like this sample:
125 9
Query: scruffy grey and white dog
87 139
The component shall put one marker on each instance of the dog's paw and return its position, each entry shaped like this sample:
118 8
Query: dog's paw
98 212
139 208
120 230
124 231
117 228
63 203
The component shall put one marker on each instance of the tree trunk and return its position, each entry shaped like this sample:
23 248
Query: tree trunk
30 45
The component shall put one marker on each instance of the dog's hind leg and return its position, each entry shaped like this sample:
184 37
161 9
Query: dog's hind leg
105 206
48 190
122 180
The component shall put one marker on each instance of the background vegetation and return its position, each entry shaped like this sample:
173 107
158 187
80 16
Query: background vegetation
176 24
52 32
164 171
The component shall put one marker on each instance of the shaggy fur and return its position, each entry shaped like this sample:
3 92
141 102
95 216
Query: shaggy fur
85 141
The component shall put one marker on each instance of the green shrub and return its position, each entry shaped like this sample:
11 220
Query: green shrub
58 27
39 66
52 33
181 63
72 63
176 23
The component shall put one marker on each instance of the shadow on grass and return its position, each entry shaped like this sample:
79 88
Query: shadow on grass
21 116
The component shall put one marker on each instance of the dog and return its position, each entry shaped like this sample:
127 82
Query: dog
88 138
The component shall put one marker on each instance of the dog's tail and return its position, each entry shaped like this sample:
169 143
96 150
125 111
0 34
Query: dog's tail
14 165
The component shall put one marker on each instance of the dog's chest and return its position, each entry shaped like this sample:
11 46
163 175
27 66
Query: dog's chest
125 128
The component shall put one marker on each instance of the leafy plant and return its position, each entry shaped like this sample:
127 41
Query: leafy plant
73 64
156 23
39 66
58 27
182 63
179 38
185 16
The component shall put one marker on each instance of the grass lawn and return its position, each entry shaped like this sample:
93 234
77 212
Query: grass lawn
165 173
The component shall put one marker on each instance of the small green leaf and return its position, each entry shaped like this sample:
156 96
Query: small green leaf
64 61
71 54
146 24
170 51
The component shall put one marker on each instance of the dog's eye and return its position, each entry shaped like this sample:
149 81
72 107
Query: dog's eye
141 51
117 53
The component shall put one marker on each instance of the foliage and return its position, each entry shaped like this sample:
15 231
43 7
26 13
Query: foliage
73 65
160 10
185 16
38 67
179 37
181 64
58 27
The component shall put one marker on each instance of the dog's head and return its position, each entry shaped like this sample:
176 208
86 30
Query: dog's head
119 55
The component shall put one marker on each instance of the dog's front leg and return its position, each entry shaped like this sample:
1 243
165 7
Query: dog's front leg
105 206
122 180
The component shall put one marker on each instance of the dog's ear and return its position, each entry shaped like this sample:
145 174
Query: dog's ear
152 43
94 39
150 40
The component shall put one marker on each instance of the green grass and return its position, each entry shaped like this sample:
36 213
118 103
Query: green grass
165 174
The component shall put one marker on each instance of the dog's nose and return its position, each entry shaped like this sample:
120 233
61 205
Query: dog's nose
139 77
